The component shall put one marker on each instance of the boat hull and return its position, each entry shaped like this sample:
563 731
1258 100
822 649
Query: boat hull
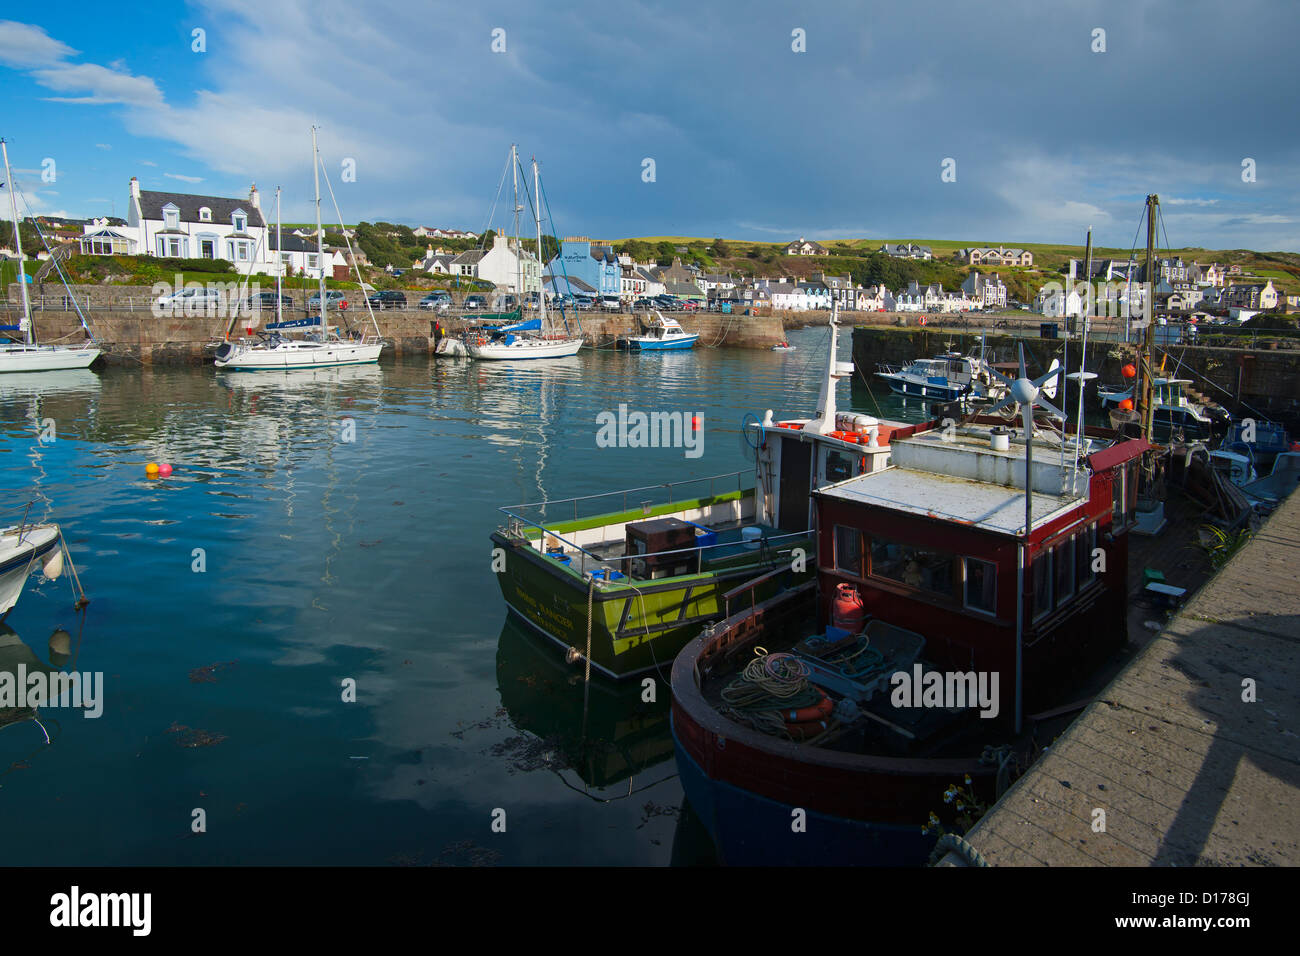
633 629
19 556
45 358
282 359
911 389
648 344
524 349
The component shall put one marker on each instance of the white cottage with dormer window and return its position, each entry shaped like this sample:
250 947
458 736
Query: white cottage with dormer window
180 226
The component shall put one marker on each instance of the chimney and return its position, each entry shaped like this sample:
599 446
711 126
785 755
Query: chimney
135 188
253 198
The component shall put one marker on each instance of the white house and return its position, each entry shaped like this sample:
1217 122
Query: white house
988 292
438 261
181 226
787 296
503 266
1057 303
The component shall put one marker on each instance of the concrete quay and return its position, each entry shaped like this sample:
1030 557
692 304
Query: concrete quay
1186 769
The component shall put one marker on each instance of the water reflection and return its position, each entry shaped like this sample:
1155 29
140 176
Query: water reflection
26 731
605 732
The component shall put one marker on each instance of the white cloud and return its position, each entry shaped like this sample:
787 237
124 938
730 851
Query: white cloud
147 162
103 146
102 84
24 45
184 179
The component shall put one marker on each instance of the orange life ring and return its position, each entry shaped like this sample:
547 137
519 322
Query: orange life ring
806 730
922 322
814 712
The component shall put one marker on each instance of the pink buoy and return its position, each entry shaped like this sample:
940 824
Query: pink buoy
164 470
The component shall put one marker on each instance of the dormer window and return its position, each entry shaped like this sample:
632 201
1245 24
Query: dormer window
171 217
205 214
240 221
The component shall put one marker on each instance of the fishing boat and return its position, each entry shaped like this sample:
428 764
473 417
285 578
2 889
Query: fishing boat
957 592
1175 416
945 378
25 548
25 354
538 338
1263 441
279 346
625 579
664 335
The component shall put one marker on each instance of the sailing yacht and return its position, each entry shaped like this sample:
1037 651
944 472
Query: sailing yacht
27 355
537 338
315 349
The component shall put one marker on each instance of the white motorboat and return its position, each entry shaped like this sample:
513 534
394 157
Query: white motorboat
665 335
28 355
23 549
503 345
275 348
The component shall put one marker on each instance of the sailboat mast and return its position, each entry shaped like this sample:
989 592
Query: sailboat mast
320 230
519 262
537 208
279 266
28 334
1149 312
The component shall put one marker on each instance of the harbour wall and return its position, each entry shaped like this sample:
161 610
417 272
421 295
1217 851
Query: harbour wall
1246 381
138 336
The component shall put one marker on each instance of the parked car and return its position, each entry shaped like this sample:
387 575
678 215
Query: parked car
388 299
190 298
438 301
645 302
507 303
611 303
667 303
475 302
334 299
690 305
265 301
584 302
531 300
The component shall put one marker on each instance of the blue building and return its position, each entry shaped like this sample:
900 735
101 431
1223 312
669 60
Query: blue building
595 265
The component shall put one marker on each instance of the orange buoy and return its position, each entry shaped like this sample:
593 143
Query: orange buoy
151 469
1129 371
1127 405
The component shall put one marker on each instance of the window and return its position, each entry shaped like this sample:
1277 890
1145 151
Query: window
920 568
1042 571
286 259
240 221
311 260
838 466
1063 564
205 214
1087 543
241 250
171 218
848 550
981 585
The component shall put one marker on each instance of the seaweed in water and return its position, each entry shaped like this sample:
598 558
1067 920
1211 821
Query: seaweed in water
208 673
190 737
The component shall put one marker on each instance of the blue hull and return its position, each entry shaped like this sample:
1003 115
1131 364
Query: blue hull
750 830
675 346
946 393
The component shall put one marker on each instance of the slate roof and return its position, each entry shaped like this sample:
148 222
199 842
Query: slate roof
292 243
151 207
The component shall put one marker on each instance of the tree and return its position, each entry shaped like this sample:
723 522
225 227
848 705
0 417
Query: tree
721 248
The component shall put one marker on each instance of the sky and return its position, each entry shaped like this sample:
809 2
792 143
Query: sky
749 120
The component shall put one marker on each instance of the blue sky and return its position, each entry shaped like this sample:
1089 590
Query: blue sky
750 139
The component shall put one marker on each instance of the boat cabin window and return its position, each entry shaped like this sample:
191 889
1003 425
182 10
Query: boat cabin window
921 568
981 585
848 550
1063 565
1086 542
1042 572
838 466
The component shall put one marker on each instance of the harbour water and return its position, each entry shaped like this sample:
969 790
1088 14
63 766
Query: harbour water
328 526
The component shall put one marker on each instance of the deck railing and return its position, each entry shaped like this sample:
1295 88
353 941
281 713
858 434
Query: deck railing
645 497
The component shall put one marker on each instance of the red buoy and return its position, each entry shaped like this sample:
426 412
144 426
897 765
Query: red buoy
847 612
1129 371
1127 405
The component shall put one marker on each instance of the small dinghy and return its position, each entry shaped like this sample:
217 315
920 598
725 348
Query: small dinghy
783 347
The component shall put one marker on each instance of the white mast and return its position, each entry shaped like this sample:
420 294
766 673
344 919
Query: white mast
279 266
320 230
537 208
519 262
824 423
28 335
